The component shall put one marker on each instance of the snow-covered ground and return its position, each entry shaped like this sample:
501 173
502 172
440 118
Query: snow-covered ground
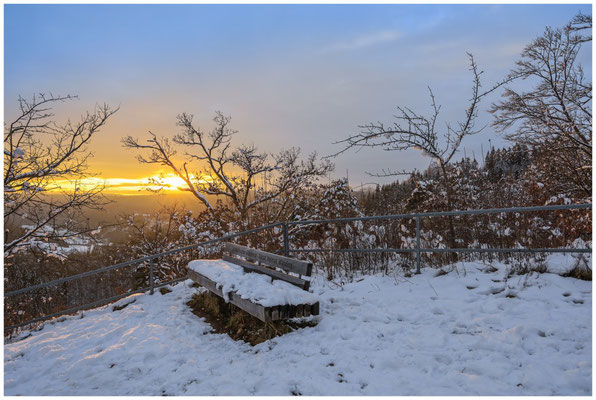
465 333
71 244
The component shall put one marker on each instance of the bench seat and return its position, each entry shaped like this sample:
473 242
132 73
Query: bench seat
258 288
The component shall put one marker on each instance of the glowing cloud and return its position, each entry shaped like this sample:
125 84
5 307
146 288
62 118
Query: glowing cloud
126 186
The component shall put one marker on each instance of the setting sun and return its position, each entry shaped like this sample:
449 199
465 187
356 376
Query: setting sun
167 182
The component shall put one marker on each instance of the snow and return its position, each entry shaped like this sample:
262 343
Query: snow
255 287
562 263
469 332
19 153
72 243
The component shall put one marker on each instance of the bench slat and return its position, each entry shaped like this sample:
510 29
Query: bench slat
250 267
273 260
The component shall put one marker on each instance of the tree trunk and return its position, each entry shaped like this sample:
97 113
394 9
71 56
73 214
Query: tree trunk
448 190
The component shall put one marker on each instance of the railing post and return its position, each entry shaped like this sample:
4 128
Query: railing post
286 240
418 244
151 275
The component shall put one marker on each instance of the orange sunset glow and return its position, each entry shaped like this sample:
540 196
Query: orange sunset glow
129 186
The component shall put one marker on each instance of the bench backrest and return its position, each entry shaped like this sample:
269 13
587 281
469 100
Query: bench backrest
270 264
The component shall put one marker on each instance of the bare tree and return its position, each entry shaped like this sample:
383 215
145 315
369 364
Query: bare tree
225 172
43 164
154 234
556 113
412 130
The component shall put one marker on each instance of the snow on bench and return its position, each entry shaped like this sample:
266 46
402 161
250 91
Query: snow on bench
265 290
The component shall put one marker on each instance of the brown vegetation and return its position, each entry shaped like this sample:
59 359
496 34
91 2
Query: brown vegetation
239 325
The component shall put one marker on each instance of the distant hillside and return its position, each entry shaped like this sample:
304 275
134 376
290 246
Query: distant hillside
142 204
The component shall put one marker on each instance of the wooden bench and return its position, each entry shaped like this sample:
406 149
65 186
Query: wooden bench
295 272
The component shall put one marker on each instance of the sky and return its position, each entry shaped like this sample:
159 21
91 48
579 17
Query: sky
289 75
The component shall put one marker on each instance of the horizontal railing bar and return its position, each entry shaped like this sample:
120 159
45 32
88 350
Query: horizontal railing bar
455 250
69 278
231 236
94 304
445 213
352 250
135 261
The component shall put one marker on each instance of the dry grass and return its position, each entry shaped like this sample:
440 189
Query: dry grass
164 290
580 272
239 325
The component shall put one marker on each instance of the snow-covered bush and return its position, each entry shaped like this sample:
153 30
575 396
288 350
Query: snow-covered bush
511 177
154 234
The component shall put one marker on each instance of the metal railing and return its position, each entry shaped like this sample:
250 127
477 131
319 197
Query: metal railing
418 216
287 250
152 286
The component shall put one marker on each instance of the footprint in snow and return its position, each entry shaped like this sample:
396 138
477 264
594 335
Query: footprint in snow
443 359
493 290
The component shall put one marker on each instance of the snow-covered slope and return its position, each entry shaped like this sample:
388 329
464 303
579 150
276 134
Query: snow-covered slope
464 333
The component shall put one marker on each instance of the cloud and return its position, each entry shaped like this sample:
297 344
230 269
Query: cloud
367 40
